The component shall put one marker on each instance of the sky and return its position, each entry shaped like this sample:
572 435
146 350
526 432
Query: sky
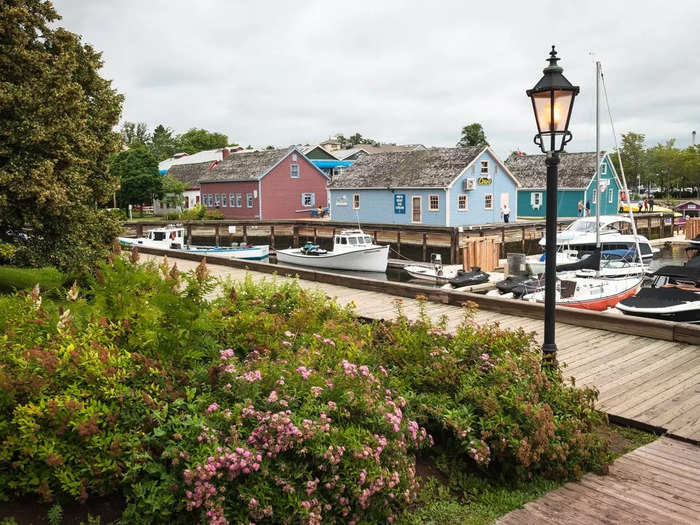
278 72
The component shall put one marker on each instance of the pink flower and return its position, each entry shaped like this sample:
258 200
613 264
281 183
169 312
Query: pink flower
305 372
251 376
272 397
286 343
226 354
316 390
287 333
212 408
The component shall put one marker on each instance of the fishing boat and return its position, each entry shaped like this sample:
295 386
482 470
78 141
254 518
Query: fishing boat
173 238
674 295
352 250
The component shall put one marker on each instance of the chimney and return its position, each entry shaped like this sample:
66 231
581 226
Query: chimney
224 153
693 138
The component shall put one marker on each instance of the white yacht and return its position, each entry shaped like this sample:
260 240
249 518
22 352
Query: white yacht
352 250
173 238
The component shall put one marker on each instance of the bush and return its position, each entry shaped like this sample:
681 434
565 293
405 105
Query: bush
269 404
194 214
13 279
7 252
213 215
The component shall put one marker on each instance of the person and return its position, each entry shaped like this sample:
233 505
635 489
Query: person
580 209
319 211
640 204
651 203
646 205
588 208
506 213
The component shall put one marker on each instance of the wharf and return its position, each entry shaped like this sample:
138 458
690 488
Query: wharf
645 371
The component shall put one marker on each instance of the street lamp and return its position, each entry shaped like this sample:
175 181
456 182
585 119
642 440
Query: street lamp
552 101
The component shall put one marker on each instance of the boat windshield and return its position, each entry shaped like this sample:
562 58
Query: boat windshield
368 239
352 240
582 226
158 236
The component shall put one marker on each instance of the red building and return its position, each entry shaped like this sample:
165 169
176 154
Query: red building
271 184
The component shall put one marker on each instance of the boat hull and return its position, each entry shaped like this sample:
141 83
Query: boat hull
679 316
374 259
428 274
597 304
253 253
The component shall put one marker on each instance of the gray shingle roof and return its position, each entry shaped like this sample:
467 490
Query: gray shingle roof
575 170
245 166
430 168
189 173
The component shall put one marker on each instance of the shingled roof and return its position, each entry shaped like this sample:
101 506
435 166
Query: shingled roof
575 170
189 173
246 165
430 168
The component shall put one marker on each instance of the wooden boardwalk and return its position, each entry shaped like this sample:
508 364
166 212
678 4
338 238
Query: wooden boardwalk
649 381
656 483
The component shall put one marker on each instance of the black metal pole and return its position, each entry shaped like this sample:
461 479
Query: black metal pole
549 348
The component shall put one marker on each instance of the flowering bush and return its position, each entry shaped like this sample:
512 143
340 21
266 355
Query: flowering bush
270 404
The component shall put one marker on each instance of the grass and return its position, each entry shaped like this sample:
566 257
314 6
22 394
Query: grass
13 279
451 497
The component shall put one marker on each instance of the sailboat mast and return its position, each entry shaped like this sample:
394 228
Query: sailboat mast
597 154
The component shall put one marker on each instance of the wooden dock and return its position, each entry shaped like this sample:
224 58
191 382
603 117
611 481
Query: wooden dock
658 483
651 380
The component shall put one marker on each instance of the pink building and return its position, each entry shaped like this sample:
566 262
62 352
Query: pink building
271 184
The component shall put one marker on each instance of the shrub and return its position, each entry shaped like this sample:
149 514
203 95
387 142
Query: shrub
13 278
269 404
194 214
172 216
213 215
7 252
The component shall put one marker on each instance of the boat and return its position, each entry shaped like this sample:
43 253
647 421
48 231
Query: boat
590 293
614 233
173 238
471 278
436 272
674 295
352 250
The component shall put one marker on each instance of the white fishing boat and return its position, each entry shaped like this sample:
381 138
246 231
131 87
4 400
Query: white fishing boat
352 250
173 238
590 293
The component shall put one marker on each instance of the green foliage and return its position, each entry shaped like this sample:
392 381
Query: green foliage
173 192
472 135
270 403
56 136
13 279
354 140
213 215
55 514
7 252
135 135
194 214
138 174
163 144
196 140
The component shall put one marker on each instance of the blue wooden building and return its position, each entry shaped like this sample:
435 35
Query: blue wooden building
576 183
436 187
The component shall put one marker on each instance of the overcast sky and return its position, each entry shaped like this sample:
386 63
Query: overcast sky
278 72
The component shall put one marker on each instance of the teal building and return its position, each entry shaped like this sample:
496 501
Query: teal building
576 183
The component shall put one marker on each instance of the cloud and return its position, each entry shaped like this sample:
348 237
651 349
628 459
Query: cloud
278 72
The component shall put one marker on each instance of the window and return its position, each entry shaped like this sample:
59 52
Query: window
294 171
610 196
217 199
239 200
307 199
187 202
595 196
603 168
537 199
462 202
484 167
356 201
433 202
158 236
249 199
232 199
488 201
224 200
294 157
197 198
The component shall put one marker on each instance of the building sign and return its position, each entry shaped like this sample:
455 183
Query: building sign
484 181
399 203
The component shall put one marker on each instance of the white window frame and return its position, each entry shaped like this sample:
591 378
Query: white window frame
217 199
249 200
603 168
430 202
610 196
420 208
466 202
594 199
239 200
292 171
355 201
484 167
488 195
224 201
537 201
312 199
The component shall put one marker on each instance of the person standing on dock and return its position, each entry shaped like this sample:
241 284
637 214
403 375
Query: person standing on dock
646 205
505 212
588 208
651 203
580 209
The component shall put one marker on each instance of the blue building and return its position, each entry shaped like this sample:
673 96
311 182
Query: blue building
435 187
575 183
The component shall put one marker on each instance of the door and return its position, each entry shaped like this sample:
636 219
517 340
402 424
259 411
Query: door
416 209
505 200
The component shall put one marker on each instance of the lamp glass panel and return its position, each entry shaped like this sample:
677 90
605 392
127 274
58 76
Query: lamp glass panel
546 121
562 107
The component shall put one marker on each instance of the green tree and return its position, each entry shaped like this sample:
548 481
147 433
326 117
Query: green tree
163 144
472 135
665 166
57 117
135 135
634 159
173 192
138 176
200 139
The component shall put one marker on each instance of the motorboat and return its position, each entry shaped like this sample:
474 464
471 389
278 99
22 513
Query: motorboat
435 272
674 295
173 238
471 278
615 233
352 250
590 293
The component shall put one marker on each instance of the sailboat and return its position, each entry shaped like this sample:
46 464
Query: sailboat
586 289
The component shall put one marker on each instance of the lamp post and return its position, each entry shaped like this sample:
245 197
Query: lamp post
552 101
